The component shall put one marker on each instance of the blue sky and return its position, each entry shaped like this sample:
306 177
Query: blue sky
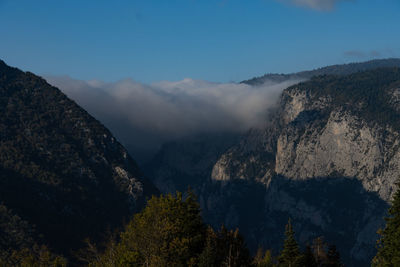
220 40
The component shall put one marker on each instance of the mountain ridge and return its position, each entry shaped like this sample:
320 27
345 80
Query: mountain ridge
61 170
336 69
333 132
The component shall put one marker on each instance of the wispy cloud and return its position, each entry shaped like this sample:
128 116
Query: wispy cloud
320 5
355 54
360 54
148 115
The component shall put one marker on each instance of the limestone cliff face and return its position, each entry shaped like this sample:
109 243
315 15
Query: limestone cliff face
313 136
328 158
337 142
335 136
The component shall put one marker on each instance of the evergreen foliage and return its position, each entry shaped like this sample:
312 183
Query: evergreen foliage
18 245
308 258
263 259
170 232
388 254
338 70
33 257
232 248
371 90
333 257
320 250
290 255
210 255
62 163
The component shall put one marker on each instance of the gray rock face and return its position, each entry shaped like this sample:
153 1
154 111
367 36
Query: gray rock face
318 139
344 144
328 158
317 134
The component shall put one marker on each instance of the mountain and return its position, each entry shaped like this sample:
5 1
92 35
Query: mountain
334 145
63 176
188 161
345 125
327 158
343 69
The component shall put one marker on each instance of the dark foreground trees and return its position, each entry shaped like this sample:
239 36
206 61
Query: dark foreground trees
170 232
224 248
290 255
36 256
320 254
389 244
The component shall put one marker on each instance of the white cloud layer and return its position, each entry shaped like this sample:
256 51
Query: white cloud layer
144 116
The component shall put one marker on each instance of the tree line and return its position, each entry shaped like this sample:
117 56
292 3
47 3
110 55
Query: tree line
170 232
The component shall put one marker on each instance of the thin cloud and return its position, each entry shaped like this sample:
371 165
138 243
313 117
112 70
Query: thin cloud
144 116
320 5
355 54
358 54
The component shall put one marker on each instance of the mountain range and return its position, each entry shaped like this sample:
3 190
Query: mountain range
327 156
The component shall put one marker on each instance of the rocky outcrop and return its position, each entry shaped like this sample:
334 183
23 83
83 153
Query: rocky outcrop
328 158
317 137
330 128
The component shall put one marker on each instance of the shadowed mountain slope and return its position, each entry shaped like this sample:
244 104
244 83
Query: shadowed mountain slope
61 171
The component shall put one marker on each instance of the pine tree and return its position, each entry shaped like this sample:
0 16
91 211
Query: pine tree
224 248
389 243
263 259
209 257
333 257
308 258
236 253
290 255
168 232
319 247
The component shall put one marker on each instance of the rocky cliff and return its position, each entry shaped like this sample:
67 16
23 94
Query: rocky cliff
331 129
345 126
328 158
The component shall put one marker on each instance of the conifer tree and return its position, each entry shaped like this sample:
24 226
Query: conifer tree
235 252
389 243
319 247
333 257
263 259
168 232
290 255
224 248
308 258
209 257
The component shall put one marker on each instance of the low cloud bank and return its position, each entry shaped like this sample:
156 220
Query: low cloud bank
144 116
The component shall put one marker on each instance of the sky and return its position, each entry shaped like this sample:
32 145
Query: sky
214 40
